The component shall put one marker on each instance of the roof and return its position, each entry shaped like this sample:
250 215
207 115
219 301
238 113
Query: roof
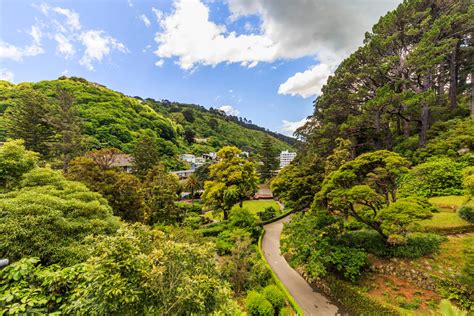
122 160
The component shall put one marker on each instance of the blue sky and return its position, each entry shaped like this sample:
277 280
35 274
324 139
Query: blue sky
263 60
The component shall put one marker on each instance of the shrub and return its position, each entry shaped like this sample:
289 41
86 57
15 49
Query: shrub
267 214
467 213
468 180
273 294
257 304
436 177
285 311
416 245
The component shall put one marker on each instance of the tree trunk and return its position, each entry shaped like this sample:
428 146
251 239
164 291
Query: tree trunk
241 203
226 214
192 197
453 77
424 119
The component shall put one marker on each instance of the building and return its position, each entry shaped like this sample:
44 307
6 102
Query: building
286 158
123 162
188 158
183 174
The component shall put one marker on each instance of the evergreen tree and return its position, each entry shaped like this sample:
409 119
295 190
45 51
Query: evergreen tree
28 120
269 159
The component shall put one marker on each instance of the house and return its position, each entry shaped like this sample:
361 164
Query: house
187 157
183 174
198 162
210 156
123 162
286 158
245 153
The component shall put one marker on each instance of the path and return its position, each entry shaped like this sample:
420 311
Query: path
311 302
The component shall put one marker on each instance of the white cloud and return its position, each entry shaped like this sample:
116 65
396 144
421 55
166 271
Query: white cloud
324 29
145 20
159 63
307 83
65 47
229 110
98 44
72 18
130 3
36 34
289 127
158 14
6 74
9 51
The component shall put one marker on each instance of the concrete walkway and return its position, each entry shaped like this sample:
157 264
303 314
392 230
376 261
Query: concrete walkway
311 302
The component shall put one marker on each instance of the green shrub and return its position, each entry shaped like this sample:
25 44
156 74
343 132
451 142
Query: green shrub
467 213
213 230
267 214
436 177
416 245
285 311
468 180
257 304
273 294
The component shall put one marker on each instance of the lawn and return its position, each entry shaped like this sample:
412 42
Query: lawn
449 203
256 206
444 220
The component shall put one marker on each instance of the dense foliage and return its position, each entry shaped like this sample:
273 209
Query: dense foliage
102 118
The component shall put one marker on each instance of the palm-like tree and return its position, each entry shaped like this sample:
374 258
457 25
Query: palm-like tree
192 184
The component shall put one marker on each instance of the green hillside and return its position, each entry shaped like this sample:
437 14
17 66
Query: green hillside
112 119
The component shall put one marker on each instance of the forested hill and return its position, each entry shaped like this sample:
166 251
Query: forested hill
112 119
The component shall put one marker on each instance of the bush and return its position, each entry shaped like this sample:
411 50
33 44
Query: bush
267 214
468 180
273 294
285 311
467 213
436 177
257 304
416 245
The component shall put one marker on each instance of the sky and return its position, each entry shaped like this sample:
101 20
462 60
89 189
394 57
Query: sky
265 60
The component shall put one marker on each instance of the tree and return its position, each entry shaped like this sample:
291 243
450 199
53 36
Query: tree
189 115
15 161
160 193
122 190
269 159
189 135
341 154
366 189
233 179
192 184
27 119
65 120
49 217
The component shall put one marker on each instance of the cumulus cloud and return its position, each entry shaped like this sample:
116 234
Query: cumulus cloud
145 20
307 83
64 27
289 127
97 44
158 14
229 110
6 74
324 29
159 63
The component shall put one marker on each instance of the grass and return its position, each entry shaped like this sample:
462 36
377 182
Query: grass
444 220
450 203
256 206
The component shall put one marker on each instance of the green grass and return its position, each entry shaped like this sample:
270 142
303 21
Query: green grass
256 206
444 220
449 203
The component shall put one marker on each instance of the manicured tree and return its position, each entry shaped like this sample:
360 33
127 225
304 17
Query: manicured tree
233 179
269 159
28 119
366 189
15 161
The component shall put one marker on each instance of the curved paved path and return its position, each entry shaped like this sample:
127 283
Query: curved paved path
311 302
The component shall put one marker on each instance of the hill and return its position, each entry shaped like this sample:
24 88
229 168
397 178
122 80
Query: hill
112 119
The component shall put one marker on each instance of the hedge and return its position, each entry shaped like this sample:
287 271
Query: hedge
449 230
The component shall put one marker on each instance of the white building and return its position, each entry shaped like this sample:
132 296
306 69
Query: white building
183 174
187 157
286 158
